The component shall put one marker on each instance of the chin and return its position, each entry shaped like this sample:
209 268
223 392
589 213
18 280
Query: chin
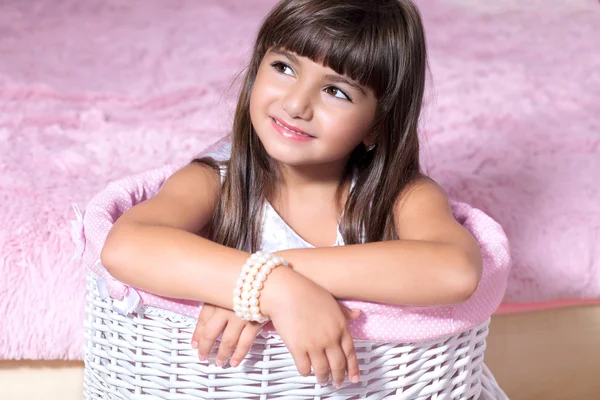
288 155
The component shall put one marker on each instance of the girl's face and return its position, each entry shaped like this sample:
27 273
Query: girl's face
305 113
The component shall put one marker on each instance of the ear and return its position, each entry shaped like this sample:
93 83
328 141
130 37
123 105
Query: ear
369 140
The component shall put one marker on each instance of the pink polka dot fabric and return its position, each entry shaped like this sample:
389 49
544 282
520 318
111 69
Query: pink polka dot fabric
378 322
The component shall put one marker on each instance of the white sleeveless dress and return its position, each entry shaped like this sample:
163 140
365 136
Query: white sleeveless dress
277 235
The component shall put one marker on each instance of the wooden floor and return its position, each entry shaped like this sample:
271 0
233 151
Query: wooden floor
547 355
552 355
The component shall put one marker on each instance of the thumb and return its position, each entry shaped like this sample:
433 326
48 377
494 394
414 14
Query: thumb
351 314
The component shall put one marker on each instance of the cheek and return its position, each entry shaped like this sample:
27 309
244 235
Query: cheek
256 100
263 94
347 129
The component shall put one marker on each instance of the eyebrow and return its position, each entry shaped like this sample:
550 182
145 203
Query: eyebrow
332 77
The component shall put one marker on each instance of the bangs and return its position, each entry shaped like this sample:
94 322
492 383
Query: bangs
345 40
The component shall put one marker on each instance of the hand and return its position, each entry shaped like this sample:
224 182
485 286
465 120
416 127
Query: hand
237 333
313 326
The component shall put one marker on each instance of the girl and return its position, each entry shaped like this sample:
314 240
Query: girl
324 150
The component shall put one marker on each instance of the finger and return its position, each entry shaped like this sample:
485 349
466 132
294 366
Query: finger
211 331
205 313
302 361
245 342
351 358
230 338
346 311
355 314
337 365
350 314
320 364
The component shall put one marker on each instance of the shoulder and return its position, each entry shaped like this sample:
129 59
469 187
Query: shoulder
193 180
422 212
423 194
186 200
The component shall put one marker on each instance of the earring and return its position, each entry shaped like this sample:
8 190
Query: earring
370 147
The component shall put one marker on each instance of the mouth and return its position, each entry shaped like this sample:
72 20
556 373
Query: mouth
291 129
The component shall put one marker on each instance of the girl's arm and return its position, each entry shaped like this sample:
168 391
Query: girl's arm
153 245
435 261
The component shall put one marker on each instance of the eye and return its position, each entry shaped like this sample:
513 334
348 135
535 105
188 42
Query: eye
282 68
337 93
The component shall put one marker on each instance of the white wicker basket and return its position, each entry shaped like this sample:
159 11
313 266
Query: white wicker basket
149 356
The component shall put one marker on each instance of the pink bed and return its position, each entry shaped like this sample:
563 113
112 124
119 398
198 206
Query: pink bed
92 93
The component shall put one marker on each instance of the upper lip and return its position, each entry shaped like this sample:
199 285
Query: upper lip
292 127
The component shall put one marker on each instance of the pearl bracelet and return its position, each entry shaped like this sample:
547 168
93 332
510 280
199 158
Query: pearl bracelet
248 287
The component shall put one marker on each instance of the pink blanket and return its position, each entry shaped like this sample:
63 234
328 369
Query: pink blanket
97 90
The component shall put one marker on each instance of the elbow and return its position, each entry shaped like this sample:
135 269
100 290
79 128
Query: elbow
467 288
467 282
109 259
111 255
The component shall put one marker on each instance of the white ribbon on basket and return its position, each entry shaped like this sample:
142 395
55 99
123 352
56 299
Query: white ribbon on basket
102 289
130 301
129 304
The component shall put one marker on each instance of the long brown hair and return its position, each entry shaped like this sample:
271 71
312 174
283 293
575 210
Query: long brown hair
380 44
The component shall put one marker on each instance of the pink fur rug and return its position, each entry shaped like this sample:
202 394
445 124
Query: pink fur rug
93 91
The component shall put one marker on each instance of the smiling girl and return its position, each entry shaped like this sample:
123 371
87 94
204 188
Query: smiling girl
321 197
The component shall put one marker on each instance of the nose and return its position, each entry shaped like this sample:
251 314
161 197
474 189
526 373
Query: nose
297 102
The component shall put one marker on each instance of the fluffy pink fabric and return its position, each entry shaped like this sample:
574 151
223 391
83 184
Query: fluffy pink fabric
93 91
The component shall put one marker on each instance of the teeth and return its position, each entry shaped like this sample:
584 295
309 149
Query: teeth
291 130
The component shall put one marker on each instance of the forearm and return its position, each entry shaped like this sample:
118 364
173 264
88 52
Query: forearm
173 263
408 272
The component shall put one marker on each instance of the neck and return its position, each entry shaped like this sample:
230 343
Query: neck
305 176
317 181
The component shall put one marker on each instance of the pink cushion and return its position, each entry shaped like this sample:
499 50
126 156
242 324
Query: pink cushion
378 322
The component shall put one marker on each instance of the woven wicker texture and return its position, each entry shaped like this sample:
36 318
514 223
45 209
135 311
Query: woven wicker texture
149 356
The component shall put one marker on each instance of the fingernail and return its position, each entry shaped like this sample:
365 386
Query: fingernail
234 363
195 345
337 385
219 363
355 379
201 357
